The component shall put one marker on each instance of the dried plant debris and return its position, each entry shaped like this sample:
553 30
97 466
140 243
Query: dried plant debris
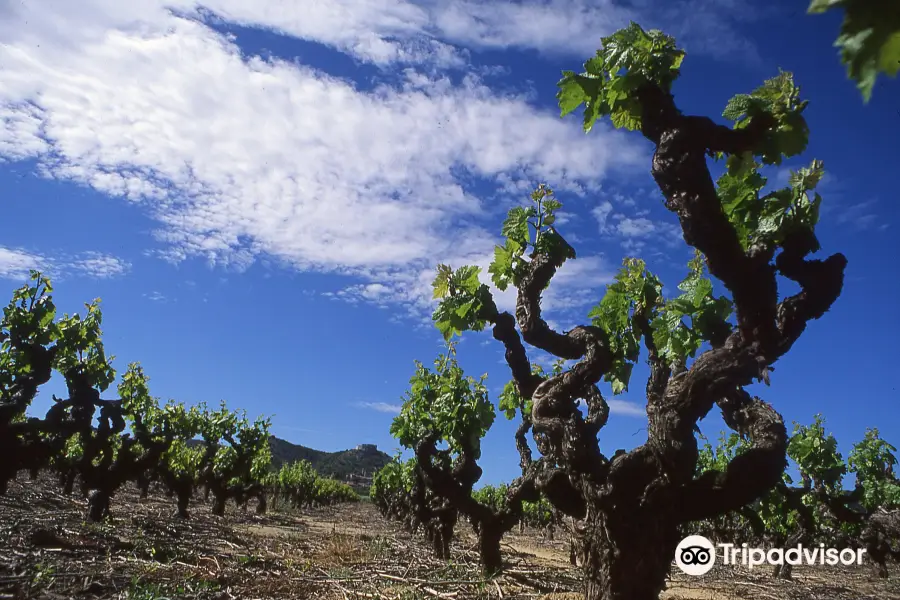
49 551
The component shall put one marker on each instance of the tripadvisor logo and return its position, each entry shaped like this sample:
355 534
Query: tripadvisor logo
696 555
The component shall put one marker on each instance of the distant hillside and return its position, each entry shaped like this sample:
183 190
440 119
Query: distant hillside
361 461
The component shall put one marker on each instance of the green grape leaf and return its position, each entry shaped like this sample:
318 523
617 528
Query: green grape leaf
635 293
505 264
515 227
627 59
441 282
682 324
511 401
463 303
446 403
869 39
872 460
778 99
767 220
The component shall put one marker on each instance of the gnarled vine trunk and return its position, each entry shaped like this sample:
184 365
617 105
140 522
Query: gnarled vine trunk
68 481
98 505
219 499
442 527
626 554
183 499
489 536
630 506
881 537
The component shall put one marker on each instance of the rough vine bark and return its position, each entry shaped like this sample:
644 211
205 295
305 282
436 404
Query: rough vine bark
629 507
456 484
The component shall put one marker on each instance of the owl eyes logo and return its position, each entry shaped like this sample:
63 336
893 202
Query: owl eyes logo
695 555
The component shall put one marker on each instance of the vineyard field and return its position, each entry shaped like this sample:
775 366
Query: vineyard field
336 553
697 409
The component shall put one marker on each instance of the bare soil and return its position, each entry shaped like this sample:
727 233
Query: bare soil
48 551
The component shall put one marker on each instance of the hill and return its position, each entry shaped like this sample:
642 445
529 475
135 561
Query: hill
361 461
355 465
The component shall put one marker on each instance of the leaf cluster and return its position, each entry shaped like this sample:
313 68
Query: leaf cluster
765 222
872 460
869 40
628 60
158 443
446 404
528 227
814 455
778 102
463 299
301 483
634 306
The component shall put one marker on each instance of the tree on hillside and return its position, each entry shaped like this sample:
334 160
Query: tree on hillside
869 38
702 349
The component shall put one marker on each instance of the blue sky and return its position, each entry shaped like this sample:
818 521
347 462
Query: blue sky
260 191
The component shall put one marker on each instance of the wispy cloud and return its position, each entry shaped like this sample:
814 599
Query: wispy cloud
239 158
384 407
387 32
601 212
635 231
861 216
100 266
156 297
15 264
574 27
626 408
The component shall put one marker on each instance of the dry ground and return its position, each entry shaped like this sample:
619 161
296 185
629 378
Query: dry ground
48 551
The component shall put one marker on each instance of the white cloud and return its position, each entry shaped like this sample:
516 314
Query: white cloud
15 264
575 27
20 128
635 231
404 31
237 158
639 227
379 31
100 266
381 407
626 408
859 215
577 284
601 213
